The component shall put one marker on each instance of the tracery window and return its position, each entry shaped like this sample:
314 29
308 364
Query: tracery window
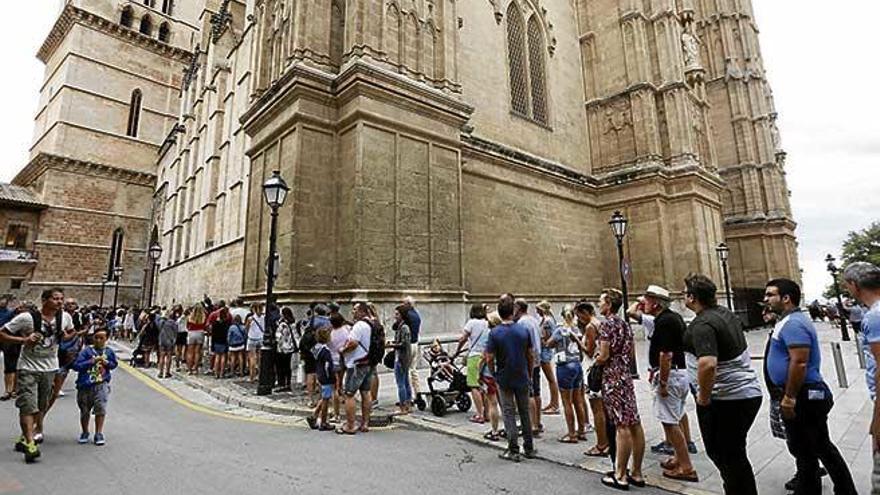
164 33
146 26
526 66
115 253
126 18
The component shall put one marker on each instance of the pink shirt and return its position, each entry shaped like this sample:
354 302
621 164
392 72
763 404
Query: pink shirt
338 339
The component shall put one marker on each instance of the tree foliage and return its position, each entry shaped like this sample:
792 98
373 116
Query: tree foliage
863 245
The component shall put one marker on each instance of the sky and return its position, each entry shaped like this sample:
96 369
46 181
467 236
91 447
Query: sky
821 62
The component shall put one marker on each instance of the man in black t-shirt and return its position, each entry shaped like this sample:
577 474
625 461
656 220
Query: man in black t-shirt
670 380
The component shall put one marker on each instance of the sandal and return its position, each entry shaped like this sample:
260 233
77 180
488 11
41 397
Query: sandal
326 427
343 431
6 396
634 482
550 411
612 482
567 439
675 475
582 436
476 418
669 464
596 451
492 436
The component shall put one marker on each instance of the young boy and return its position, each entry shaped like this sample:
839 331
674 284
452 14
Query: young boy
326 379
93 384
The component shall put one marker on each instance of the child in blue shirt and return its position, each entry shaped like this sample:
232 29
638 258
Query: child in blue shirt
326 379
93 384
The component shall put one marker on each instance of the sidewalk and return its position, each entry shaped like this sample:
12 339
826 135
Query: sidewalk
773 465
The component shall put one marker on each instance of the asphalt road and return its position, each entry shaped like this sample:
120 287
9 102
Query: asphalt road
158 446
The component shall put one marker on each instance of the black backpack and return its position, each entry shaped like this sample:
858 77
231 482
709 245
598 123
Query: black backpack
377 343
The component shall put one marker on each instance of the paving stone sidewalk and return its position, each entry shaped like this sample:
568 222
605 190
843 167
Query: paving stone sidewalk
848 423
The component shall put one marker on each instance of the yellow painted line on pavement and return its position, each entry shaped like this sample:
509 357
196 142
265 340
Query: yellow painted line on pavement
146 380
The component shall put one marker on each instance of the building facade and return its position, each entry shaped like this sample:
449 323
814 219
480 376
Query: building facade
448 150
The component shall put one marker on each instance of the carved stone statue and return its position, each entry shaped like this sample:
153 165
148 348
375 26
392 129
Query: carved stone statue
691 48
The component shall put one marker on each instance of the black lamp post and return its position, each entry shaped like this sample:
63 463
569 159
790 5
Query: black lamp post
275 192
832 269
618 224
104 277
723 254
155 253
117 274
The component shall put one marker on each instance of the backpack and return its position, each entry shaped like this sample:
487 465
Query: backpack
376 352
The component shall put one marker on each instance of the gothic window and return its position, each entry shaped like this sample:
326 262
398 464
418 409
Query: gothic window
126 18
164 33
134 113
516 59
150 3
146 26
115 252
167 6
537 76
392 34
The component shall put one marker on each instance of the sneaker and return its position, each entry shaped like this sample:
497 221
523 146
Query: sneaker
38 438
19 444
692 448
662 448
374 404
83 438
509 455
31 452
99 439
531 454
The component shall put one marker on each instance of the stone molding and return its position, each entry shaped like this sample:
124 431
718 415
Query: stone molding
72 15
86 246
44 162
354 294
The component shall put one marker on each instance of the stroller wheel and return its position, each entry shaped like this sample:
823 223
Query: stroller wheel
463 402
438 406
420 403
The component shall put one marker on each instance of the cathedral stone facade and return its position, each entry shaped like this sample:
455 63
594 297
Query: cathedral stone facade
444 149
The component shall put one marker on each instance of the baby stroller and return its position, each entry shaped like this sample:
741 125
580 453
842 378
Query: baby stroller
444 370
137 357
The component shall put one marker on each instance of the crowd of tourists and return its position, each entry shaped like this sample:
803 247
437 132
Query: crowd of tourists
584 352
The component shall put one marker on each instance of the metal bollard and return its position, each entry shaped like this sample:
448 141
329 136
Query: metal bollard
860 352
838 365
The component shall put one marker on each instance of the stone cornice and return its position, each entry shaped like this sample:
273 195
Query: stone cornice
72 15
44 161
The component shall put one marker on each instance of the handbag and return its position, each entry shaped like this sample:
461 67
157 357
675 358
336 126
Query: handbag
389 358
594 378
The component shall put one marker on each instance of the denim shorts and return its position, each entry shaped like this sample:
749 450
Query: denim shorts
357 379
570 376
546 355
219 348
326 391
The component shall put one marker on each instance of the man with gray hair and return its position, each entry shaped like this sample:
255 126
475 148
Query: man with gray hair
863 282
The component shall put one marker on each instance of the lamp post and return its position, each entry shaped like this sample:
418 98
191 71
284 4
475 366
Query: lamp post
275 192
104 277
155 253
618 225
832 269
117 274
723 255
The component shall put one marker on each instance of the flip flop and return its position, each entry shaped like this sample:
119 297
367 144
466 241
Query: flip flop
343 431
550 411
634 482
476 418
613 482
567 439
689 477
595 451
669 464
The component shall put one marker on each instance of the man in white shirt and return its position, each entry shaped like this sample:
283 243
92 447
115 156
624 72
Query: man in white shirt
37 364
358 372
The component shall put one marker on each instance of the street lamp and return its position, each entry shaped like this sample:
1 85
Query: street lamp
117 274
104 277
618 224
723 254
275 192
155 253
833 270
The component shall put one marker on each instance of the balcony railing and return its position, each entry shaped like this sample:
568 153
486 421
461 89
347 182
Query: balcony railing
18 256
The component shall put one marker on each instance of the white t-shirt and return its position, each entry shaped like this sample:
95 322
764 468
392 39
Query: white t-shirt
477 331
257 327
360 333
531 324
44 355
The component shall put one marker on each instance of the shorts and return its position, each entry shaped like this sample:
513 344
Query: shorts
670 409
195 338
181 338
473 371
535 386
34 390
93 400
10 357
236 348
570 375
357 379
326 391
310 365
219 348
546 355
254 345
490 386
165 347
